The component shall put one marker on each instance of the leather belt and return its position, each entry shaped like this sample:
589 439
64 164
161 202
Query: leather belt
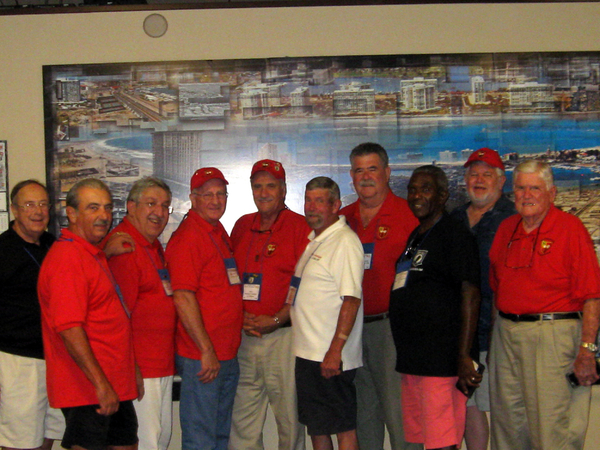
538 317
376 317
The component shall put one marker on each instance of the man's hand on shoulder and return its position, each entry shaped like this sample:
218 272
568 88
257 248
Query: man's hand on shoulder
119 243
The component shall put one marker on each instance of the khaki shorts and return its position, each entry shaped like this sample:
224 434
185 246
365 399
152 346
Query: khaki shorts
25 416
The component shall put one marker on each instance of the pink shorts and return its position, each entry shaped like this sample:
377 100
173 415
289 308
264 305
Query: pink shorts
433 411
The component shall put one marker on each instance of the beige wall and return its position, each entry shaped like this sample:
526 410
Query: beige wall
27 42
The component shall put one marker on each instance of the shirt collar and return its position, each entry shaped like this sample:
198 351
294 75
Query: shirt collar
68 235
129 228
193 215
331 229
276 225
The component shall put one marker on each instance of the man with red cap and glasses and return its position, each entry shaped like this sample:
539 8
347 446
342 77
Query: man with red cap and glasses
487 208
208 300
267 244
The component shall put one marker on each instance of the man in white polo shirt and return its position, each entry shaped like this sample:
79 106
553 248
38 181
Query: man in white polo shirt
327 315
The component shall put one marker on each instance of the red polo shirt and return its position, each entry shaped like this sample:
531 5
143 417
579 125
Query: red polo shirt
388 230
195 256
76 289
153 315
557 275
272 253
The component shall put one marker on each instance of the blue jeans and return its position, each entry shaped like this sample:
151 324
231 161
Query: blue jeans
205 409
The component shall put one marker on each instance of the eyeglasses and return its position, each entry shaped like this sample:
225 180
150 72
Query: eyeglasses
514 254
210 196
152 205
32 206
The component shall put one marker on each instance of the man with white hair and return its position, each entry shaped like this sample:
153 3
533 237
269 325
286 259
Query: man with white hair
546 281
487 208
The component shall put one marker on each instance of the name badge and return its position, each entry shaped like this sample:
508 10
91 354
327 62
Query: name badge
293 290
251 289
368 249
166 281
232 273
402 269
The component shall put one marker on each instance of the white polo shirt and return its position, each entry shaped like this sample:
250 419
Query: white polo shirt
330 268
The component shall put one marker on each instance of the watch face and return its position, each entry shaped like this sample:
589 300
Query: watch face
590 346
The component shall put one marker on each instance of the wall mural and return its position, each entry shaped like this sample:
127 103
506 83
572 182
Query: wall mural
119 122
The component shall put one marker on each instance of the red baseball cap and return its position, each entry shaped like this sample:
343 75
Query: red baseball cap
268 165
205 174
486 155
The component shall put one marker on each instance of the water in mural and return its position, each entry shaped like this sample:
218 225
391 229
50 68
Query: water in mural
120 122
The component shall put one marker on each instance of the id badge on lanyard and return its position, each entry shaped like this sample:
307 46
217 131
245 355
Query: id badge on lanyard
252 284
232 273
166 281
293 290
369 250
402 269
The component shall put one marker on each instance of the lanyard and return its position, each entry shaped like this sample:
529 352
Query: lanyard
414 236
217 246
262 250
32 257
115 286
304 261
108 274
160 254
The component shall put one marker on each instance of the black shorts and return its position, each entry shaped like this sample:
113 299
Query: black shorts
92 431
325 406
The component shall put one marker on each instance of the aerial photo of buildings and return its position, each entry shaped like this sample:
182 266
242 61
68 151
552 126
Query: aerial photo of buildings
120 122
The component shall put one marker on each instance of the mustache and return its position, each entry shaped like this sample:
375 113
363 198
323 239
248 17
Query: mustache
366 183
102 222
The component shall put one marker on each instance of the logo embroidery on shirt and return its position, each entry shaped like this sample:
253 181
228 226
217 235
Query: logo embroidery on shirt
545 246
382 232
271 249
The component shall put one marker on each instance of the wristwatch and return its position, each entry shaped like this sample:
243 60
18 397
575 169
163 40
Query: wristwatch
590 346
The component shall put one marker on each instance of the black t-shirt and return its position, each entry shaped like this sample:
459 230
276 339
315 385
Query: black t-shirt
425 314
20 316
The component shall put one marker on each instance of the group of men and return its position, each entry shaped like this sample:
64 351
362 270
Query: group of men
392 303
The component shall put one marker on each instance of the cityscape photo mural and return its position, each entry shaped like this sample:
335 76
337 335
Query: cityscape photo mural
119 122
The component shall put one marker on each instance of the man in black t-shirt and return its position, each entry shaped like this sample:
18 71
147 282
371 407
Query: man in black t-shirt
434 308
27 420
